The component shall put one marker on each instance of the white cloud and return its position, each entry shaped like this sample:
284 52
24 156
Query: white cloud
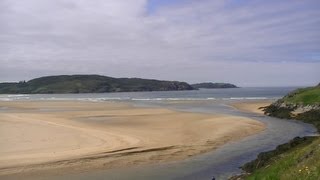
121 38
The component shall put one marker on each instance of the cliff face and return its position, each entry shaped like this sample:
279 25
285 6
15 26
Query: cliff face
296 108
89 84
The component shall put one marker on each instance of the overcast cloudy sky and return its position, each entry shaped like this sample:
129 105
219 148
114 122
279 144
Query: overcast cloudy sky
246 42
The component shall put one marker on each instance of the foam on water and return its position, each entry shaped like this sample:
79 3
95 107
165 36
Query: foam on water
13 97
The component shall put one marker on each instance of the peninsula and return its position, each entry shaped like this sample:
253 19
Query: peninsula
89 84
66 84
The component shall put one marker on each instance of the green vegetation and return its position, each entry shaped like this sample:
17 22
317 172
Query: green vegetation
307 99
279 112
89 84
305 96
311 117
299 158
210 85
286 160
297 163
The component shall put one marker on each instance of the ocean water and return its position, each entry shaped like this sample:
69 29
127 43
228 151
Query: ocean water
251 93
221 163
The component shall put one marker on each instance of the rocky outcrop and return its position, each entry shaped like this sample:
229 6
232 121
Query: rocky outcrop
296 107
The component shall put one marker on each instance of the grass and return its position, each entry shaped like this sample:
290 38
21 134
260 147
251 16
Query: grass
306 96
302 162
264 159
300 158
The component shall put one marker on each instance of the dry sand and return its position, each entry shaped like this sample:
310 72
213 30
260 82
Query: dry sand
77 136
252 106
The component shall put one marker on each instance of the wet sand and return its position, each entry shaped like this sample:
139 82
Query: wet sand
252 106
72 136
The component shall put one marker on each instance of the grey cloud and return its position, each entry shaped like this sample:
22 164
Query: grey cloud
199 38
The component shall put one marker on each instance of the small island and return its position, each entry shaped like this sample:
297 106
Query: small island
210 85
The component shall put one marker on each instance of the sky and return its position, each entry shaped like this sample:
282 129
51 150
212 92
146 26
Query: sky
245 42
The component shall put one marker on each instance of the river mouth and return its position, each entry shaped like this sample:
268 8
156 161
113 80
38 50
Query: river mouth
220 163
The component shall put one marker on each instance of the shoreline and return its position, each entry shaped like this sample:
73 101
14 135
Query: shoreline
252 106
296 148
117 135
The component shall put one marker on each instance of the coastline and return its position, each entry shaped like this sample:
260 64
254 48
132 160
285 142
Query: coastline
108 135
287 159
252 106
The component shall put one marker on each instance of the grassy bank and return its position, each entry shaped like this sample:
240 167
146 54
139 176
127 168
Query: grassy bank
298 159
305 96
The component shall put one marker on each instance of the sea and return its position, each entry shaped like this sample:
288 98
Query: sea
221 163
250 93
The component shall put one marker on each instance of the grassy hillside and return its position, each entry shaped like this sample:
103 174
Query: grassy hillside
305 96
89 84
299 158
299 163
307 99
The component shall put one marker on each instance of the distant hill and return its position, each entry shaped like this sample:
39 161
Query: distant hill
210 85
89 84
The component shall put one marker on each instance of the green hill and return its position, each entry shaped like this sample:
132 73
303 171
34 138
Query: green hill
89 84
209 85
305 96
299 104
299 158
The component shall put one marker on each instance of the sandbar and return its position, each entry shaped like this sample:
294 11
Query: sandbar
64 136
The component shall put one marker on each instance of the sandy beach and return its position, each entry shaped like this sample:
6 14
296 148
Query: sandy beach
252 106
76 136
